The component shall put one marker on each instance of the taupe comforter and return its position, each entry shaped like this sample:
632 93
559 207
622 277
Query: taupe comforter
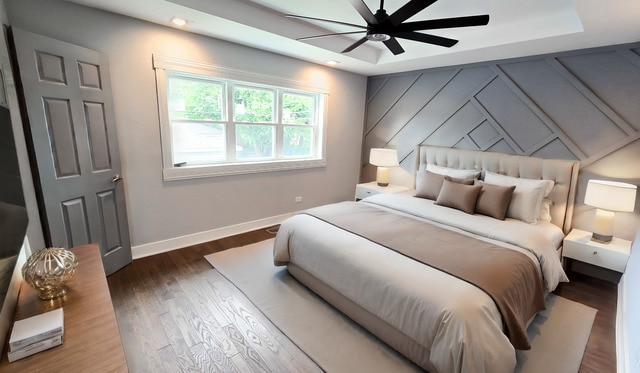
457 324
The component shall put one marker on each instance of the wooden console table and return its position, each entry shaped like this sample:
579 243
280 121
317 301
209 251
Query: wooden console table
91 341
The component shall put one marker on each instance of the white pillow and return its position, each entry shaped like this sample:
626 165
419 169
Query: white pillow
453 172
420 175
527 197
545 210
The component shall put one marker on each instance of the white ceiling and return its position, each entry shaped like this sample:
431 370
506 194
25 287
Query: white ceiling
516 28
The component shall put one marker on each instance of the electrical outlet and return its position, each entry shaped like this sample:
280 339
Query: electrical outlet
298 199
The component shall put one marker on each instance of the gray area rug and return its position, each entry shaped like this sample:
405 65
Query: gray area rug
558 335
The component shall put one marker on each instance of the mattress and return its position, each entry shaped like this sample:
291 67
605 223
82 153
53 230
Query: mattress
441 322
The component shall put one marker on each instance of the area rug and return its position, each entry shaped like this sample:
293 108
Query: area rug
558 335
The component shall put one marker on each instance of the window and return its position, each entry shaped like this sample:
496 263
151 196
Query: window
216 121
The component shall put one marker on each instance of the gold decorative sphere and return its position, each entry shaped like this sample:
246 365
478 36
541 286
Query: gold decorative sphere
47 270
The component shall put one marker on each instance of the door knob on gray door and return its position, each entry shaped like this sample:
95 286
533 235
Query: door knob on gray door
116 178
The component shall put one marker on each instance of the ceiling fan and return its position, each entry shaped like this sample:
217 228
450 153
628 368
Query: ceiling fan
386 28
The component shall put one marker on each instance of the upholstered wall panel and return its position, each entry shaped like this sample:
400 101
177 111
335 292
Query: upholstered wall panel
582 105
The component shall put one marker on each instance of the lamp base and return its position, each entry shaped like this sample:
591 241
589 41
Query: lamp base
603 226
382 176
601 238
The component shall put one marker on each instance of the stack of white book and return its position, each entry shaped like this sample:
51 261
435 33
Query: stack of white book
35 334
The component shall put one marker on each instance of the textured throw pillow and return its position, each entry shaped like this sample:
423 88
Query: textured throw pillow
428 184
453 172
527 197
459 196
493 200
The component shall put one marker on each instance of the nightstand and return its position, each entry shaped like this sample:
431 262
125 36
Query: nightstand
578 245
369 189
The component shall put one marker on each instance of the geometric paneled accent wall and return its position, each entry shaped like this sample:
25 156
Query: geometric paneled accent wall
580 105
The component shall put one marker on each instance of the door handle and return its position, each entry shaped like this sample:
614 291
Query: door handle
116 178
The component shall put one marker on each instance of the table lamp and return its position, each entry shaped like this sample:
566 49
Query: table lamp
608 197
383 158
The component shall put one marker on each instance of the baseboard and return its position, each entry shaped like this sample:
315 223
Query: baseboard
159 247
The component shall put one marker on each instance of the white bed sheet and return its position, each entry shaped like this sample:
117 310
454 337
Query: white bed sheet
458 324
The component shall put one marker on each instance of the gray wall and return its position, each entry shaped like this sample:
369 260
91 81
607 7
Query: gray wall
628 314
35 238
166 215
582 105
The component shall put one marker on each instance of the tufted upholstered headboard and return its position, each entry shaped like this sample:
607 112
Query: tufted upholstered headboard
563 172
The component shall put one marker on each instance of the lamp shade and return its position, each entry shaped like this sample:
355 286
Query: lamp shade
383 157
611 195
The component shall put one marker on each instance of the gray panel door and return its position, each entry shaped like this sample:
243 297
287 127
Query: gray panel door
69 110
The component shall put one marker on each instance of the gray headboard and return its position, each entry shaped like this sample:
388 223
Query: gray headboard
563 172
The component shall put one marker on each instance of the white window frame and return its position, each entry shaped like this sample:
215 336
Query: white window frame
164 65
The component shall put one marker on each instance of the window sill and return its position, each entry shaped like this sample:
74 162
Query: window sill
197 172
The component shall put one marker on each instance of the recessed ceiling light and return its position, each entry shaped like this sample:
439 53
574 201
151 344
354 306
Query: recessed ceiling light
178 21
332 62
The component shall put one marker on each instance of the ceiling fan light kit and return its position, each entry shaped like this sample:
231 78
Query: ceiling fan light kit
378 37
385 28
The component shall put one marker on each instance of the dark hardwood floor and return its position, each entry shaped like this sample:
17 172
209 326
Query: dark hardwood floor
600 354
177 314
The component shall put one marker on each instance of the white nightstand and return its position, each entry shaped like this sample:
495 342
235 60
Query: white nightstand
369 189
578 245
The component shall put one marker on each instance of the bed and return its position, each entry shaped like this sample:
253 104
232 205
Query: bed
372 259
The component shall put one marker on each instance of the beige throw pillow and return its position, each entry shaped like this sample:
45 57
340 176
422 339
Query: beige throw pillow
428 184
493 200
459 196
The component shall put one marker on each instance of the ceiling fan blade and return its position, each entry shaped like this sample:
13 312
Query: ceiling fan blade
326 20
394 46
425 38
333 34
408 10
433 24
355 45
364 11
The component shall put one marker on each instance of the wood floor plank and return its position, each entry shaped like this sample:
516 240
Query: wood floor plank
263 339
246 349
168 361
208 325
289 355
140 339
245 331
186 320
177 314
151 306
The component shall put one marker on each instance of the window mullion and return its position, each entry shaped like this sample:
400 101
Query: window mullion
279 128
230 133
317 126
